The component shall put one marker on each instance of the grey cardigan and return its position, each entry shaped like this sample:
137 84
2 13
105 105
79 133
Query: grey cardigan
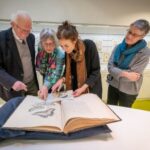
138 64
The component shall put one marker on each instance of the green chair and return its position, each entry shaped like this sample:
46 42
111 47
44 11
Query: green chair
142 104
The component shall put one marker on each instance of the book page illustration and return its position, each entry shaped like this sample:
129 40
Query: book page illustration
34 112
60 96
43 109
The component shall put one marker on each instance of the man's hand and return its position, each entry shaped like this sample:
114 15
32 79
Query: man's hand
18 86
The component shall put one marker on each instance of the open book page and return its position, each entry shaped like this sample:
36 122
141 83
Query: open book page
61 113
60 96
87 106
34 112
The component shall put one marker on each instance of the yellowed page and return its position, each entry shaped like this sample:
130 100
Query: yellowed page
86 106
34 112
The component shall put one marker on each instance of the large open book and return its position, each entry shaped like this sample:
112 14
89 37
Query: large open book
61 113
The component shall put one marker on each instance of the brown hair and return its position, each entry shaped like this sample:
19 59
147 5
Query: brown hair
67 31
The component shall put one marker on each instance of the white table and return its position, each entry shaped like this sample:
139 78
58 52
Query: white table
132 133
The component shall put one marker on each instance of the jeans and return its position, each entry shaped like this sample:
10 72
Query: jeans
9 107
5 111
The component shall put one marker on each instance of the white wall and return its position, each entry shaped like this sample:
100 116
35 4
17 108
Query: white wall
112 12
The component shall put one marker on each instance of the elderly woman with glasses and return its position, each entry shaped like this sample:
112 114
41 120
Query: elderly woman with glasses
126 65
49 61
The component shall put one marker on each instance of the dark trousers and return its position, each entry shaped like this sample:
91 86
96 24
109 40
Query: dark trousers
32 89
116 97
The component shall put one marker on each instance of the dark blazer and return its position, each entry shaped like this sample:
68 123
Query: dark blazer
11 69
93 68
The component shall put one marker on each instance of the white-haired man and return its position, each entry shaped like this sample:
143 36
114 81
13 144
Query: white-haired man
17 54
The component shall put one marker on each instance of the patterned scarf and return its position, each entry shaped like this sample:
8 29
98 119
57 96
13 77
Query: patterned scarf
123 55
46 62
78 56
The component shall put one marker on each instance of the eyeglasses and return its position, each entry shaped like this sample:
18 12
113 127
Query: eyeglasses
48 44
23 30
134 34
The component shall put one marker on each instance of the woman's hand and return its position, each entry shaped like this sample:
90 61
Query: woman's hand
132 76
43 92
57 84
80 90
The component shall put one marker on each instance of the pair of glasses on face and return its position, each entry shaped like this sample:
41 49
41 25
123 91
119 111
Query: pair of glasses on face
129 32
49 44
23 30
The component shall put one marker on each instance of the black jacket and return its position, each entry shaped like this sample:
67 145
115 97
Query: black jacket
11 68
93 68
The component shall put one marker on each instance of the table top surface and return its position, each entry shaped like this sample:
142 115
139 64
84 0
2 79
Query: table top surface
132 133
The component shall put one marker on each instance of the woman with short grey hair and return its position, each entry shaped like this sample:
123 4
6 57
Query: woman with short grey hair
48 33
49 61
126 65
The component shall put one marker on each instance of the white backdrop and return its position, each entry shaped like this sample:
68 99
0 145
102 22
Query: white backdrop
100 12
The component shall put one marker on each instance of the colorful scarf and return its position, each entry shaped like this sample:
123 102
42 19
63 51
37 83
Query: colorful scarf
123 55
46 62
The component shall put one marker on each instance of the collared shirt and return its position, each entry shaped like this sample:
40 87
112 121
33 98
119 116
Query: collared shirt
16 37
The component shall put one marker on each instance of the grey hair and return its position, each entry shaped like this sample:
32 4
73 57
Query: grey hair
47 33
22 13
142 24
